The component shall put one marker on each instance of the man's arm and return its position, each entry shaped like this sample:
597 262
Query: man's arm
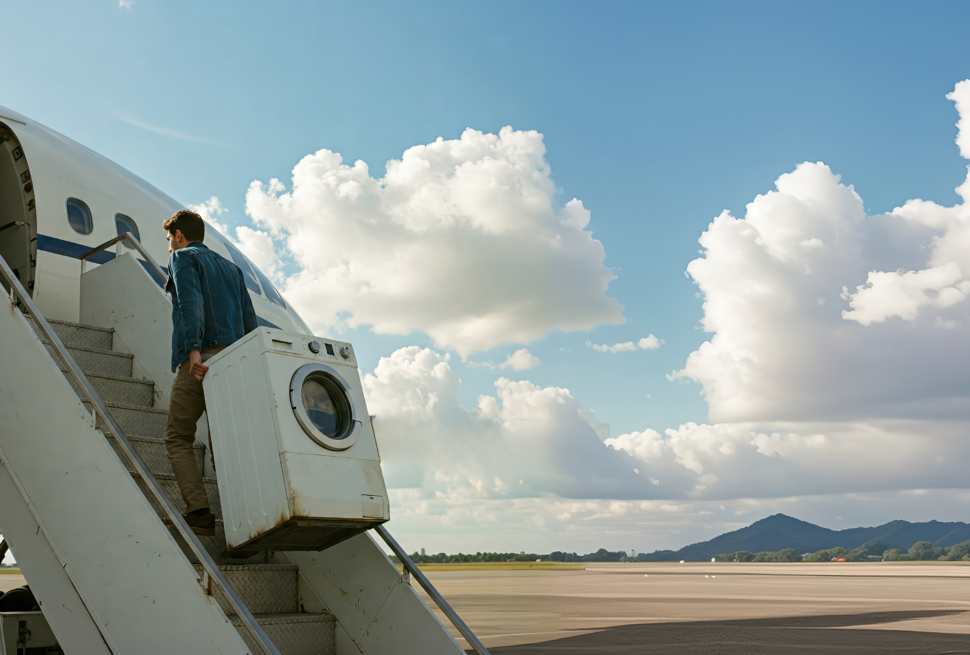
188 290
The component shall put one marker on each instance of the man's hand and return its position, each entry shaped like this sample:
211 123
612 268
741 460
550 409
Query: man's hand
196 367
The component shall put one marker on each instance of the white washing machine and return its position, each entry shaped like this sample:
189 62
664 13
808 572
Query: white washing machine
294 449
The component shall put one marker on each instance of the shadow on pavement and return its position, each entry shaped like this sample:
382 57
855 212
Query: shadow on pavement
777 636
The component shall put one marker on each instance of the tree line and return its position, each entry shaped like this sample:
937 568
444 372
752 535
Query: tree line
602 555
920 551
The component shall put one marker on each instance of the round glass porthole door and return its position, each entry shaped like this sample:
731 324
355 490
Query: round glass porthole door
321 401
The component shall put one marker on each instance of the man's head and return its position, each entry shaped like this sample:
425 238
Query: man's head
183 228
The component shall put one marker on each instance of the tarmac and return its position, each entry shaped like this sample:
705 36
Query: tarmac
729 609
710 609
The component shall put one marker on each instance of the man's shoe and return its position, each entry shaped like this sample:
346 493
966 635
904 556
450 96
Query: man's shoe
202 522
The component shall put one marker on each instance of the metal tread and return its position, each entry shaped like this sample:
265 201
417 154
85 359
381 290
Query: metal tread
119 378
150 440
57 321
284 619
170 477
96 351
253 567
136 408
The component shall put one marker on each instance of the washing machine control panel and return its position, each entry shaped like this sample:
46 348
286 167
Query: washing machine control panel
318 348
329 350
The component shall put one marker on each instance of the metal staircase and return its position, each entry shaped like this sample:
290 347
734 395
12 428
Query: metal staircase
269 590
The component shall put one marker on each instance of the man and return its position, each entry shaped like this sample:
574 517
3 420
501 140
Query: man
211 310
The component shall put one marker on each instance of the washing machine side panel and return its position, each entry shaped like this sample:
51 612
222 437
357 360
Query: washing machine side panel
335 487
251 485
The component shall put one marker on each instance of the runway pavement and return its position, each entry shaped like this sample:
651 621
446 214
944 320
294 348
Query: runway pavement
716 608
711 609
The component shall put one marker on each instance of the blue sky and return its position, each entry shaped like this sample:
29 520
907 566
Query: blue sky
658 116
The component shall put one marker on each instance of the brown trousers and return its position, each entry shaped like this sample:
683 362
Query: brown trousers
186 404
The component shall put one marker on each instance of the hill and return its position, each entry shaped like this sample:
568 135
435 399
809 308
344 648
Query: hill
780 531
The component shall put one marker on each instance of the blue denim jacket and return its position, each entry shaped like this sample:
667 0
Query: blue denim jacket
210 304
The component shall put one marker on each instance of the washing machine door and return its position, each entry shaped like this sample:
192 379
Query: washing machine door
320 398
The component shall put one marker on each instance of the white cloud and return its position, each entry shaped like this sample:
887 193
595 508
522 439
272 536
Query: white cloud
520 360
461 239
525 441
125 4
255 244
882 351
775 459
210 210
814 388
646 343
905 294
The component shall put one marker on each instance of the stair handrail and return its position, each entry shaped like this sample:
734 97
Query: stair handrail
19 295
132 243
439 600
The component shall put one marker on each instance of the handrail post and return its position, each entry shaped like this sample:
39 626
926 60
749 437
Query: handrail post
439 600
208 564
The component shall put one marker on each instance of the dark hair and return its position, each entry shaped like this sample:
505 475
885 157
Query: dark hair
188 223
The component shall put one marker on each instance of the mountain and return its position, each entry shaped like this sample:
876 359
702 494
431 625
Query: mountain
779 531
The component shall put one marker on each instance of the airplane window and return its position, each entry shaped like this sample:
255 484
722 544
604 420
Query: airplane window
271 293
79 216
247 271
126 224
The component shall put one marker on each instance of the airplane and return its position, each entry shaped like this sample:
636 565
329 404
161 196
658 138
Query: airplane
87 503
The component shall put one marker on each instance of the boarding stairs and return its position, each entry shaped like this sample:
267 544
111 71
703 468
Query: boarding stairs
268 589
343 601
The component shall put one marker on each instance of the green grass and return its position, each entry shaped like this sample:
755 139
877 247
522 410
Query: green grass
502 566
9 571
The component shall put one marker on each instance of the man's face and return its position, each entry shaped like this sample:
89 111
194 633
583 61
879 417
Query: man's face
175 240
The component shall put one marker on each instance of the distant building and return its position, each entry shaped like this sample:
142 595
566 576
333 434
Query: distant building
422 552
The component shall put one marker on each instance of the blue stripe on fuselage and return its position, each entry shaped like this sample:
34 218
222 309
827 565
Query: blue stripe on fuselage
75 250
71 249
262 322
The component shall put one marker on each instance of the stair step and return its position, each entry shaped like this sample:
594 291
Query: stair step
214 546
76 334
294 634
138 420
118 389
170 487
96 360
153 452
263 588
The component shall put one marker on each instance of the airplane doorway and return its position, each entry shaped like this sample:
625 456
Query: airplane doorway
18 212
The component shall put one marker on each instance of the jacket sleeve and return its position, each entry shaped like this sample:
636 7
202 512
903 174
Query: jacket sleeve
188 289
249 313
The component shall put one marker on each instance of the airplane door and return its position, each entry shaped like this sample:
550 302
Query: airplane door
18 213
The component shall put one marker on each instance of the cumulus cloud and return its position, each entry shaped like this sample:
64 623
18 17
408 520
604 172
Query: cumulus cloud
461 239
773 460
646 343
520 360
255 244
525 441
210 210
813 387
791 342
